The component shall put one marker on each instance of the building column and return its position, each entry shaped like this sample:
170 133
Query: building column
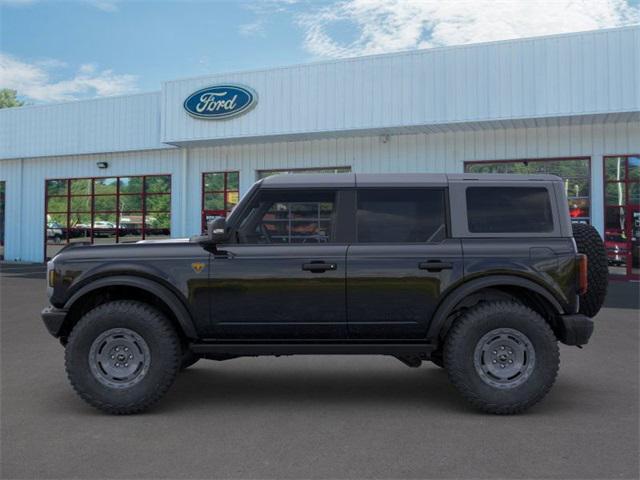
597 193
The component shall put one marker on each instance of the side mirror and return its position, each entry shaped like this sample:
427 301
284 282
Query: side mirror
217 230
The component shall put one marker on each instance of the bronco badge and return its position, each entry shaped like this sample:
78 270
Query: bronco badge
197 266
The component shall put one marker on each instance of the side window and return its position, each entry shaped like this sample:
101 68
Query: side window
509 210
401 215
284 217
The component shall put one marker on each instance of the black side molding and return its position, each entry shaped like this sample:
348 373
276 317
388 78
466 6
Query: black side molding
255 349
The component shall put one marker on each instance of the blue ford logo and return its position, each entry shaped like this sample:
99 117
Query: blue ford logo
220 101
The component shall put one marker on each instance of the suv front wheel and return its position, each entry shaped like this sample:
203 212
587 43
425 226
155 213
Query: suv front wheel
502 356
123 356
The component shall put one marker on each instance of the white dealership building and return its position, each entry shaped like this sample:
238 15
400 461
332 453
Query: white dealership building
157 164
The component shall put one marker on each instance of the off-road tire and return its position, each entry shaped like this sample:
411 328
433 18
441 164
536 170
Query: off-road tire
156 331
468 331
589 242
188 359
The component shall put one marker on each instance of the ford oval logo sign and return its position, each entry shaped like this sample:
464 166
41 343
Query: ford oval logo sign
220 101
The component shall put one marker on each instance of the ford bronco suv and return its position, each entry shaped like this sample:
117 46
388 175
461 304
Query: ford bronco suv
482 275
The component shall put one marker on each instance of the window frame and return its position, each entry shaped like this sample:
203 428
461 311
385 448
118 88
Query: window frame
342 212
627 210
204 212
460 221
447 216
92 212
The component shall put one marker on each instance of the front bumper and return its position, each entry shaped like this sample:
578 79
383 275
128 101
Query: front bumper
53 319
575 329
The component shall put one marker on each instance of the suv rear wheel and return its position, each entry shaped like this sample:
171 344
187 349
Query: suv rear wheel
122 356
502 356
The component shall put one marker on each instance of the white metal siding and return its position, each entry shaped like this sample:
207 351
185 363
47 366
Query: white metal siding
112 124
436 152
558 76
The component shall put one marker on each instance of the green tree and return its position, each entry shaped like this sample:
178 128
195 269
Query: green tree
8 98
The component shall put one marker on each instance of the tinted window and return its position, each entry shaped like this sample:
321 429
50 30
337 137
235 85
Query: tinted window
290 217
509 210
401 216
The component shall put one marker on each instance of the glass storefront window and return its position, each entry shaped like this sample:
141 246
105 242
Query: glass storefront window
220 194
574 171
622 215
106 210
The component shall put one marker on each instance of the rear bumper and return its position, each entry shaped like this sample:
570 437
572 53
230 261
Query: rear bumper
575 329
53 319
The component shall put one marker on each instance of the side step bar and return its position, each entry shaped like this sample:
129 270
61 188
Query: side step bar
254 349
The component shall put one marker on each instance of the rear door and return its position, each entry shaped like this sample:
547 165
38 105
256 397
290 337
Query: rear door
401 262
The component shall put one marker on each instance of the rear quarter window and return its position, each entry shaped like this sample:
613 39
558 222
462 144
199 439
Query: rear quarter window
509 210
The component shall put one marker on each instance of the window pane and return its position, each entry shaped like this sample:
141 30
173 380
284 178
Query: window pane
614 168
214 201
634 168
158 184
233 181
81 204
57 204
56 187
56 220
104 203
578 208
81 186
105 185
130 224
104 221
131 203
279 223
213 181
158 225
130 185
509 210
615 193
80 220
232 200
614 220
577 187
401 216
158 203
634 193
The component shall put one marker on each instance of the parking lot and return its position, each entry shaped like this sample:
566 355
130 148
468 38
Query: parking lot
316 417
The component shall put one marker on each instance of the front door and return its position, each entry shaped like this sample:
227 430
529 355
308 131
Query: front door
401 263
285 276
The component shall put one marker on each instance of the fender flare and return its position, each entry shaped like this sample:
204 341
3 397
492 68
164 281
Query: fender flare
163 293
440 323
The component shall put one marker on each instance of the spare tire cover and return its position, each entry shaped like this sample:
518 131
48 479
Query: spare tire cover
589 243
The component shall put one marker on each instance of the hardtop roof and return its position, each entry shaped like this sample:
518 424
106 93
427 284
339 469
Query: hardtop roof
345 180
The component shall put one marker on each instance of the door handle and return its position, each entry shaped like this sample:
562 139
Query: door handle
318 267
435 266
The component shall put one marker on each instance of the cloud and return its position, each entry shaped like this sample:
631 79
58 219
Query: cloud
252 29
34 80
390 25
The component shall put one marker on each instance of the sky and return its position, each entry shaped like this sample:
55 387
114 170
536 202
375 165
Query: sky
54 50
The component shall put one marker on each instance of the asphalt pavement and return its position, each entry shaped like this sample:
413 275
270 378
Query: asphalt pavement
316 417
